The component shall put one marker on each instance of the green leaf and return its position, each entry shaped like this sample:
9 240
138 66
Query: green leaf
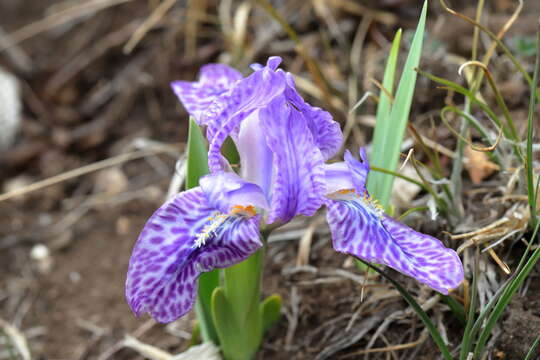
530 135
197 155
530 353
270 311
382 124
236 309
228 149
197 166
386 151
195 334
467 339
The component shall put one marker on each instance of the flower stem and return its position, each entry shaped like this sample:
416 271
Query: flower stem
236 309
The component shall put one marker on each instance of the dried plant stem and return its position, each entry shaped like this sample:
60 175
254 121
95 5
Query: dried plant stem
58 19
116 160
148 24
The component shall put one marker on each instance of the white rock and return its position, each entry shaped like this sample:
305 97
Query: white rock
206 351
10 109
42 257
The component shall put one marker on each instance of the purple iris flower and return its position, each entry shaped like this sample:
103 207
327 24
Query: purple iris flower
283 143
359 227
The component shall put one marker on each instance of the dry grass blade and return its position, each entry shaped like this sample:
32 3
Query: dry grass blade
304 245
148 24
116 160
195 8
356 8
60 18
16 338
421 339
356 333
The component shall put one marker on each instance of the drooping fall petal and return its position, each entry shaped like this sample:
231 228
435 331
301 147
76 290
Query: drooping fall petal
185 237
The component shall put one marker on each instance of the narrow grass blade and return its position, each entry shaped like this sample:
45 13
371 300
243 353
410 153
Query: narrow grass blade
530 353
437 338
197 166
383 108
467 338
386 153
530 133
506 296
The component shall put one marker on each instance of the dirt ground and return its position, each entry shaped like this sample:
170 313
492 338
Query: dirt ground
64 249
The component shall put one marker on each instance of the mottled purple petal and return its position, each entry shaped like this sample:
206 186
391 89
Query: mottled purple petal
160 254
359 169
326 132
365 232
229 110
214 80
298 186
234 241
166 260
237 239
224 190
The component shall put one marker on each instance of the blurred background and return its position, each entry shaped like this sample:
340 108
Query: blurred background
84 86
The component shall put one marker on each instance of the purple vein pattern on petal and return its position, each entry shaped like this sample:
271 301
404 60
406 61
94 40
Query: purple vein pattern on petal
361 231
165 264
299 172
326 132
214 80
359 169
230 109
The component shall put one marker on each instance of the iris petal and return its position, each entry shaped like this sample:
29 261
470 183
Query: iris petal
255 156
298 181
326 132
364 232
166 262
337 177
359 169
230 109
224 190
214 80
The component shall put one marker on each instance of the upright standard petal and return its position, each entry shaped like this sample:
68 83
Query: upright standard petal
326 132
184 237
256 158
298 186
229 110
214 80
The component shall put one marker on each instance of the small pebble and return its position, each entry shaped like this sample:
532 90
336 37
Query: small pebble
10 109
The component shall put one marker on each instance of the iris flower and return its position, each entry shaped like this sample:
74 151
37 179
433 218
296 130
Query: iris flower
359 227
283 144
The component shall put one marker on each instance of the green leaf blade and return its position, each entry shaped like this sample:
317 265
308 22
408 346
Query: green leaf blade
197 166
385 154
